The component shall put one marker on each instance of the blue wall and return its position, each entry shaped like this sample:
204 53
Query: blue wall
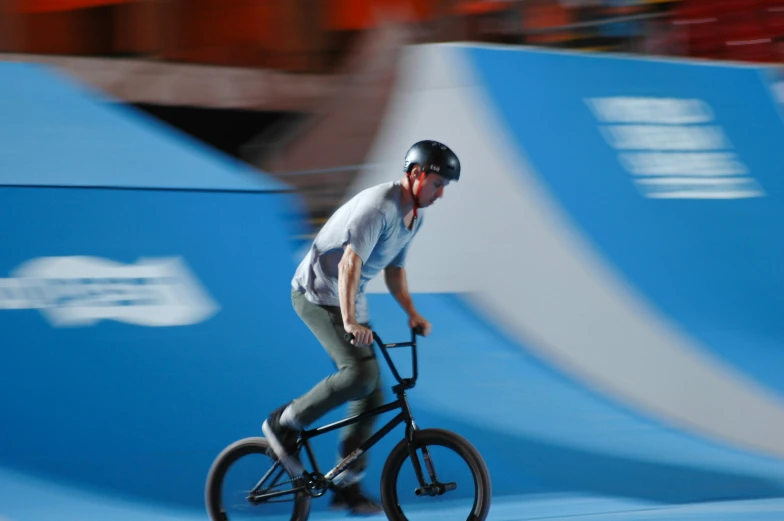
135 408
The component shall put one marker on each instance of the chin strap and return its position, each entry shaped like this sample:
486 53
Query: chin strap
415 196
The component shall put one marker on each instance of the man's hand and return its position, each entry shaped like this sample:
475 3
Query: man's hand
417 320
362 335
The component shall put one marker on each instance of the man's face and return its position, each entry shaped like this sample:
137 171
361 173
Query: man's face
431 189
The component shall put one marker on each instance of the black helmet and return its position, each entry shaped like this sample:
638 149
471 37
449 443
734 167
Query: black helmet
433 157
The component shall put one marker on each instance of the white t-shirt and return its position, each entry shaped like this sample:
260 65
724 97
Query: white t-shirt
372 223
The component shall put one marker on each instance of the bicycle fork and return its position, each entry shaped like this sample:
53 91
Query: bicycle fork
434 488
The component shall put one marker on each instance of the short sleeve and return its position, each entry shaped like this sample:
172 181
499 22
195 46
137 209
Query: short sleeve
363 230
400 259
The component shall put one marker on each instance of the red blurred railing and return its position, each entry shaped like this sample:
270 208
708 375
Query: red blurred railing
311 35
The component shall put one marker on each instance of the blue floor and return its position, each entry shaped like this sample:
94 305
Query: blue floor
28 499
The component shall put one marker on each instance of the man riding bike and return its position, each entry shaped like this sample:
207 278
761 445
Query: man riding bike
369 233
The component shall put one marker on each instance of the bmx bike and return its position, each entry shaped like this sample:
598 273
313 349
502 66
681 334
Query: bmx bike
269 483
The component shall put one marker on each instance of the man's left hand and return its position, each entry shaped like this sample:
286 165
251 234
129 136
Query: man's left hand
417 320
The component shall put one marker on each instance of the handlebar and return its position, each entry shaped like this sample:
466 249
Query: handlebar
406 382
416 331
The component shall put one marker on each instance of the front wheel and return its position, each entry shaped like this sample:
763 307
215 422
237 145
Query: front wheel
444 472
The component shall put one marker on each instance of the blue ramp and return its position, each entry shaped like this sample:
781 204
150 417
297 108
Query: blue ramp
604 284
143 285
615 239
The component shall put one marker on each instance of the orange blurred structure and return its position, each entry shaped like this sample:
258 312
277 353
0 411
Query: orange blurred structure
295 35
312 35
47 6
742 30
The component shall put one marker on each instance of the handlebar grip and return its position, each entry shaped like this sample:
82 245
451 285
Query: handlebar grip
419 330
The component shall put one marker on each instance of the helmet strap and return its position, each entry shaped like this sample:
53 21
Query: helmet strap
415 196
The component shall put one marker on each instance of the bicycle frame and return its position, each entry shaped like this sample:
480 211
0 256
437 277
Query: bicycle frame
405 416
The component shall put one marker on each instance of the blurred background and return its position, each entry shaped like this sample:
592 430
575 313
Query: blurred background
247 77
605 282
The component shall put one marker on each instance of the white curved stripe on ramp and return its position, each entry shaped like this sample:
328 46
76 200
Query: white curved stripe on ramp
498 235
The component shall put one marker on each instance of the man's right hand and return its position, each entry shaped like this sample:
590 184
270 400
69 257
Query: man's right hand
362 335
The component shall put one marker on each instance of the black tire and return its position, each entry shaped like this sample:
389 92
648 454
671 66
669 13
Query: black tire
444 438
231 454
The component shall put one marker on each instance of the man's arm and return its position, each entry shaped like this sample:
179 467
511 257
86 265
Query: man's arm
349 270
395 278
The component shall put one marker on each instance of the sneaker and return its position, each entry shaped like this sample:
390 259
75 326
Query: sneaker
351 497
283 441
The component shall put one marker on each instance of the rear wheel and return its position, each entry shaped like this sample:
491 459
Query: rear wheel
454 478
241 473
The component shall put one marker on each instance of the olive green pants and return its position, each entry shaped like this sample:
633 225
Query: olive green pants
357 380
